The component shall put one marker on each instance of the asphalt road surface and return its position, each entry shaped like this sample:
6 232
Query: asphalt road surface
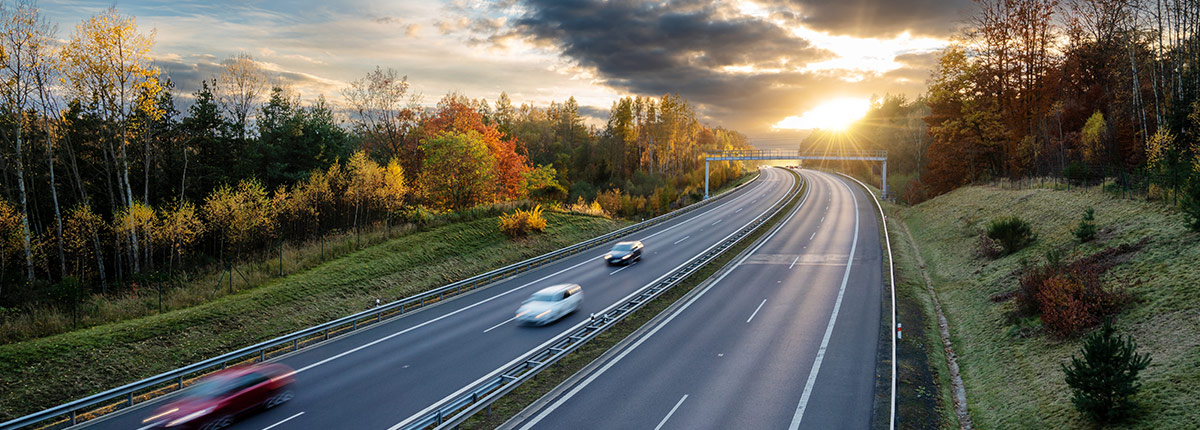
378 377
785 340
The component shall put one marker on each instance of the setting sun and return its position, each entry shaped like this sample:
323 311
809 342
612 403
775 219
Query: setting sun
832 115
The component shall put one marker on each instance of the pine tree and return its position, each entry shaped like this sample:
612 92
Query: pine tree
1104 381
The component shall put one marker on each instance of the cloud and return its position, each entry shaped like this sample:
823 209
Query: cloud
872 18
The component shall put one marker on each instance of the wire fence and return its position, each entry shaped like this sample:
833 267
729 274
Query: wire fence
1131 184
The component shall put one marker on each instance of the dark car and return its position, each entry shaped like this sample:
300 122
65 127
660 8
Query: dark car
214 402
624 253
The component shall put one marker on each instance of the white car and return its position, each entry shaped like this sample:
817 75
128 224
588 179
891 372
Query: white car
550 303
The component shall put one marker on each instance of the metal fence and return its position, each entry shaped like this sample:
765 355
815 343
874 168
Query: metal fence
460 406
1132 184
127 396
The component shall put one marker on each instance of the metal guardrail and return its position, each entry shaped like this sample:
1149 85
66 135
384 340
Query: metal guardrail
136 393
472 399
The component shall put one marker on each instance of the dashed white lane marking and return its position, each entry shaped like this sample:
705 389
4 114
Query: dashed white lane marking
284 421
618 270
822 220
718 222
681 240
813 235
794 263
739 210
760 305
664 420
498 325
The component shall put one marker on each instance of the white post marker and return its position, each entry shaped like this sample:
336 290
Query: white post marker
899 331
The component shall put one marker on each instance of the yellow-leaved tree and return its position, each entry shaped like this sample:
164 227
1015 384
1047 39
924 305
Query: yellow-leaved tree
10 236
240 215
81 231
136 220
178 226
392 192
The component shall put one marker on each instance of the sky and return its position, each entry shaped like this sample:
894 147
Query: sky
768 68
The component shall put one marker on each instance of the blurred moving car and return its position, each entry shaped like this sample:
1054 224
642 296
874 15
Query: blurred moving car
624 253
550 303
215 401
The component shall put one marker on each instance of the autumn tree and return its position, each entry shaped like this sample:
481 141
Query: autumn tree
455 114
240 215
241 83
458 170
385 115
107 60
81 233
178 227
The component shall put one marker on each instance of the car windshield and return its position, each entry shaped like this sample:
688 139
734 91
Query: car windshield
543 296
209 388
623 247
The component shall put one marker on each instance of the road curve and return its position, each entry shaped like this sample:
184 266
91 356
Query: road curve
379 376
785 340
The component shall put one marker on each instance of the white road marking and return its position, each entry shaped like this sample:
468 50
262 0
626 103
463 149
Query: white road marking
760 305
813 235
151 425
498 325
618 270
582 323
377 341
794 262
822 219
558 403
718 222
284 421
837 305
664 420
739 210
681 240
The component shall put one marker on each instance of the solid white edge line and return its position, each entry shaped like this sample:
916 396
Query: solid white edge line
892 275
377 341
569 330
664 420
498 325
816 367
284 421
760 305
546 412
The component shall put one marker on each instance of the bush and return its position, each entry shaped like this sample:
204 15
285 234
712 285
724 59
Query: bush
989 248
1013 233
1075 172
1072 297
1105 379
581 206
1191 203
1086 231
521 222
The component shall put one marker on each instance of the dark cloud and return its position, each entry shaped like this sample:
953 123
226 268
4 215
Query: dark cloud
870 18
679 47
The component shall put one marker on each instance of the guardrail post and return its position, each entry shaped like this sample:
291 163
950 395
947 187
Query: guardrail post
378 316
72 417
327 330
295 345
262 355
180 382
130 398
354 324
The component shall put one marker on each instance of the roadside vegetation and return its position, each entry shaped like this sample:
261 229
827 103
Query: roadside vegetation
1016 320
47 371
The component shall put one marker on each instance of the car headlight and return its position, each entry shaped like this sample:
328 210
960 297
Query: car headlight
543 314
607 256
189 417
626 256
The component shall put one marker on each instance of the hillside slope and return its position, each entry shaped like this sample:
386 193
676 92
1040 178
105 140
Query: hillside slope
1013 378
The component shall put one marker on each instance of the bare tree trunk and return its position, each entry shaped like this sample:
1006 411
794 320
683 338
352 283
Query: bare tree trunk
24 201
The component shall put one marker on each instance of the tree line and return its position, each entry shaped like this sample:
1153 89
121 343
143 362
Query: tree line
107 177
1043 87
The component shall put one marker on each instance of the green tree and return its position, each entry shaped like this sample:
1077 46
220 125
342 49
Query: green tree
1104 380
458 171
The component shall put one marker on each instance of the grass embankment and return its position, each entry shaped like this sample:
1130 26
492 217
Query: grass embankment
48 371
524 395
1012 374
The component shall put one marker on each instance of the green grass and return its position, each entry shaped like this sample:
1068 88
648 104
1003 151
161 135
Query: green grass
44 372
1016 382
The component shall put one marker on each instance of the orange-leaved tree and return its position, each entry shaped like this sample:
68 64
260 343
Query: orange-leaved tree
510 162
458 171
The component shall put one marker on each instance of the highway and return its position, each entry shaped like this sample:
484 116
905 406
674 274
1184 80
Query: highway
377 377
785 340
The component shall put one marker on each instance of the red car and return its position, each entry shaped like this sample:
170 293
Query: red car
215 401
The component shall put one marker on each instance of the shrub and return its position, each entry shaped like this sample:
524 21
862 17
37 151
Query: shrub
1072 297
521 222
581 206
1013 233
1191 203
989 248
1075 172
1086 231
1105 379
